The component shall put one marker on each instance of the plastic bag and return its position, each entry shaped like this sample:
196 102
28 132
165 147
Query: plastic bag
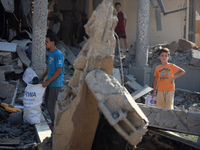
151 101
32 100
28 75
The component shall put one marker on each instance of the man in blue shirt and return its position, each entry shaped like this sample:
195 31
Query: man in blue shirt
54 72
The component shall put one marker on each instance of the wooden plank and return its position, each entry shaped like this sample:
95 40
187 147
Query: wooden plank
9 142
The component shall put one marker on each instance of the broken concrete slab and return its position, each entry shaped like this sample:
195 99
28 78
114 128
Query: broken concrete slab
2 75
5 58
173 46
68 54
22 43
195 57
8 47
129 77
6 90
185 45
141 92
174 120
7 69
22 55
133 85
18 67
117 75
118 106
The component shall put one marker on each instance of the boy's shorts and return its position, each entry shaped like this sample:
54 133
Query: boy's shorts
121 34
165 100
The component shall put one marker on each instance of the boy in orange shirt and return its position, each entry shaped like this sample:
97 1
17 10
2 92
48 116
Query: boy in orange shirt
165 74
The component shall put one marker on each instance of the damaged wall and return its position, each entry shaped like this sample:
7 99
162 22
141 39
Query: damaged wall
173 24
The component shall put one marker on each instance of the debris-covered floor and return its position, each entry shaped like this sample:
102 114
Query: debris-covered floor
13 65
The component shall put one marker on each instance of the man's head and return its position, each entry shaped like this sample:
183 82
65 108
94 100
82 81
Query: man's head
51 40
118 6
164 55
55 7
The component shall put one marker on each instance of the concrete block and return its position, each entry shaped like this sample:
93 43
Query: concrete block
22 55
174 120
19 67
117 75
173 46
134 85
118 106
7 69
8 47
185 45
5 58
21 44
6 90
142 74
195 58
2 75
141 92
129 77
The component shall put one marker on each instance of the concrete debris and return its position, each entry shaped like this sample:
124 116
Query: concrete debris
174 120
21 44
141 92
22 55
133 85
185 45
82 116
2 75
177 58
124 114
8 47
5 58
117 75
66 52
6 90
173 46
129 77
18 66
187 100
16 118
195 57
7 69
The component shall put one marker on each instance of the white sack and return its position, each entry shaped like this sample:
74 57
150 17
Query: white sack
28 75
32 100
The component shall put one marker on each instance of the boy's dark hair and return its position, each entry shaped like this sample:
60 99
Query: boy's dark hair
53 37
117 3
165 50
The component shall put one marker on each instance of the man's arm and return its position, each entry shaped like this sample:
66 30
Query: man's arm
44 75
55 75
180 73
155 86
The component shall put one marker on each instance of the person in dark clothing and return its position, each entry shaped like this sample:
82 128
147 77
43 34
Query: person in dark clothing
75 21
82 32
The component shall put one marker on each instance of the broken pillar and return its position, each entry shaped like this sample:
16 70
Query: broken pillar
77 116
39 36
141 70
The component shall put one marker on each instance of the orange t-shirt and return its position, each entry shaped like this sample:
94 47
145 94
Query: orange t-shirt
165 73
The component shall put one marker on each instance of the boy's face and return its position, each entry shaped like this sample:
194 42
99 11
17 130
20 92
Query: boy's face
164 57
49 44
118 8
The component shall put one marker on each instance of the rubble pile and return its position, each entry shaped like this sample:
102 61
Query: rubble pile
13 127
187 100
183 53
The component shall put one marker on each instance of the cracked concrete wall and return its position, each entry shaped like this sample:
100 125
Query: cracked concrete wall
175 120
77 119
